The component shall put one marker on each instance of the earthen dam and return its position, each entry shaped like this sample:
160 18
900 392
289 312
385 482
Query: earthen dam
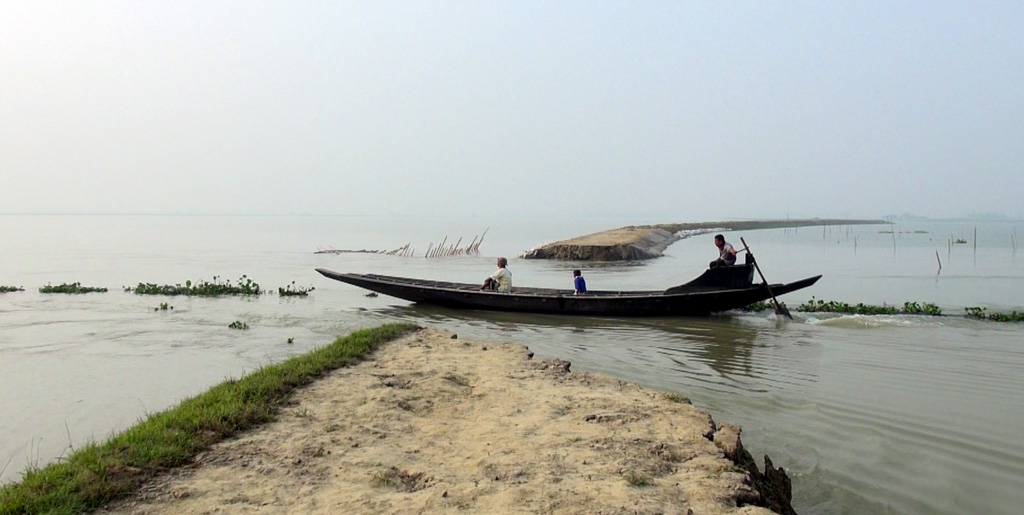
634 243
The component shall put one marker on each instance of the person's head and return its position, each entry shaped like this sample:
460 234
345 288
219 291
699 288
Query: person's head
719 240
576 273
502 262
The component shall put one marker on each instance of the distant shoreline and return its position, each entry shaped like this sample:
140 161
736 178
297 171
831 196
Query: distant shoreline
639 242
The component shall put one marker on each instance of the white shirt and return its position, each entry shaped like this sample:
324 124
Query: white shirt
504 279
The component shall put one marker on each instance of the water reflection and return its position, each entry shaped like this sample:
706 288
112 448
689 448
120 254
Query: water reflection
721 349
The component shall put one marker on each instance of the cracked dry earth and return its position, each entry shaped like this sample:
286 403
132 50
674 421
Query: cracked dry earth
431 423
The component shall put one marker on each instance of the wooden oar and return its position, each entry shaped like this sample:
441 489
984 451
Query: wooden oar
780 308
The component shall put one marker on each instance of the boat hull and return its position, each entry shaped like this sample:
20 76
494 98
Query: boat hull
563 302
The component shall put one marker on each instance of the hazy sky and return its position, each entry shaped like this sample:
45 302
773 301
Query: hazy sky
677 110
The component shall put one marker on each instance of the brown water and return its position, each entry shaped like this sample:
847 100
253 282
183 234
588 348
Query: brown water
868 414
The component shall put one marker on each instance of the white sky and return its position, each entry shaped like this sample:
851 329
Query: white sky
680 110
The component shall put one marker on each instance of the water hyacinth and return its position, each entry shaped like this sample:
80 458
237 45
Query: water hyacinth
981 314
294 291
74 288
908 308
244 286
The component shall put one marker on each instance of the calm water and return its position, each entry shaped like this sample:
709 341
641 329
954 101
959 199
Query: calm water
868 414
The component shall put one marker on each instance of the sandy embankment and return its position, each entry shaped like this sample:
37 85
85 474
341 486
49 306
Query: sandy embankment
624 244
650 241
431 423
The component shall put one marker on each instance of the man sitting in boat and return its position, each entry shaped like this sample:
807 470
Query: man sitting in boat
500 280
726 253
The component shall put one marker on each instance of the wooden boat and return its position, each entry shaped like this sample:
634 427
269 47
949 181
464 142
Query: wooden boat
717 289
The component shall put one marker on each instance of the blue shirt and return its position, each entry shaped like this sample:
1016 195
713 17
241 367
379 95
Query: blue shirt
581 284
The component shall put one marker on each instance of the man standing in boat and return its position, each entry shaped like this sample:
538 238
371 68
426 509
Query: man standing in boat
501 279
726 253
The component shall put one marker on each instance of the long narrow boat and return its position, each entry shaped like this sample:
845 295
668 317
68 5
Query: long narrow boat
717 289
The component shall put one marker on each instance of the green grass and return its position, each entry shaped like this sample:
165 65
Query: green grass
637 479
70 288
677 397
9 289
99 473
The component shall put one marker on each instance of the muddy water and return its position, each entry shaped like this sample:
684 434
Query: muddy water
868 414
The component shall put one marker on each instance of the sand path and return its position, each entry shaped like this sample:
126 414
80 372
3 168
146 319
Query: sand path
435 424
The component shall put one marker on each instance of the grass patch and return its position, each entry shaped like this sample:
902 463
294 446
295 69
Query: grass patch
99 473
981 314
676 397
908 308
74 288
383 478
163 307
457 379
9 289
244 286
636 479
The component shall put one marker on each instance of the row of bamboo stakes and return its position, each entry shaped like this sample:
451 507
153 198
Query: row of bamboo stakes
472 249
442 250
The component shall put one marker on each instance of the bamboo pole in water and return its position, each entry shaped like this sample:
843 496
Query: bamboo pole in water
940 262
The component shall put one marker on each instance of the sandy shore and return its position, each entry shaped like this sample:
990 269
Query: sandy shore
431 423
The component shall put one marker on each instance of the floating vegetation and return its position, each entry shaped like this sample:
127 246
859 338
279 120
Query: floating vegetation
908 308
959 241
163 307
75 287
758 306
371 294
294 291
291 340
981 314
8 289
244 286
238 324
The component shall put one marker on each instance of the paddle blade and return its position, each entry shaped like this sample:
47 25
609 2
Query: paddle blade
781 309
